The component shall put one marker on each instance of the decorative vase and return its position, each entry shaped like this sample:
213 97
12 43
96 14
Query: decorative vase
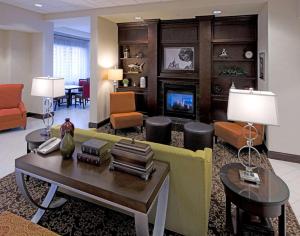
143 82
67 145
126 53
67 126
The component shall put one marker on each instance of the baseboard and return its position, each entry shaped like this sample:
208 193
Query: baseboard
284 156
36 115
99 124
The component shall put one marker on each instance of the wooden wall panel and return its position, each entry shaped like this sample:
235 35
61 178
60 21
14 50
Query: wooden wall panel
152 65
205 32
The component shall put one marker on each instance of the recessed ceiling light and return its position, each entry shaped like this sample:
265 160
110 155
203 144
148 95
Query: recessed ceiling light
138 18
38 5
216 12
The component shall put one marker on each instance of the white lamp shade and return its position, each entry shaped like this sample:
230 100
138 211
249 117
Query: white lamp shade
48 87
258 107
115 74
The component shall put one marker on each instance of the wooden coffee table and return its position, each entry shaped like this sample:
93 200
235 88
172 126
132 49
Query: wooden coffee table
266 200
118 189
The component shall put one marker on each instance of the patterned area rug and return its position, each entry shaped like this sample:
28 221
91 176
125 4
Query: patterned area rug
78 217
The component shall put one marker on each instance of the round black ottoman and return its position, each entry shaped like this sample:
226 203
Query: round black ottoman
158 129
198 136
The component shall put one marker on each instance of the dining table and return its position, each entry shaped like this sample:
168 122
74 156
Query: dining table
69 89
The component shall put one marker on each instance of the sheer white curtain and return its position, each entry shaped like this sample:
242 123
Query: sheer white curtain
71 59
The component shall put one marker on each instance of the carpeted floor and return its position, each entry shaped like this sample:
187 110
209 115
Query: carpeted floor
80 218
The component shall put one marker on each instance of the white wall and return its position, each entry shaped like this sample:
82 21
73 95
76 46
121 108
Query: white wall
284 74
104 55
26 50
262 45
4 57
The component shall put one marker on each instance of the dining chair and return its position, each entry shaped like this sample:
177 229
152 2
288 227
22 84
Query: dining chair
84 96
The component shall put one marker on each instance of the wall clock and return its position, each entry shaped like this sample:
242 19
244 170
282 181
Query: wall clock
249 54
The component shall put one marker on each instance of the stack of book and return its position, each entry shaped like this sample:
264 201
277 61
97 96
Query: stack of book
93 152
132 157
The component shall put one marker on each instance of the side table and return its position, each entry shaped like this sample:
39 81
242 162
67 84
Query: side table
266 200
35 139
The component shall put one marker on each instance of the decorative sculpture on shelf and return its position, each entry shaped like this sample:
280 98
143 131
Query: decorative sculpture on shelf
224 53
135 68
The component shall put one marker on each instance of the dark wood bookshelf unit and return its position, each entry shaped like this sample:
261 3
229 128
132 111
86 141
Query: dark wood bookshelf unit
139 40
236 35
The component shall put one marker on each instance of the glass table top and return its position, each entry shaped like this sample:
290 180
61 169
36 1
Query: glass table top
271 190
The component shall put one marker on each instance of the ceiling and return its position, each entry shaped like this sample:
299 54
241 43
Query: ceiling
82 24
73 16
55 6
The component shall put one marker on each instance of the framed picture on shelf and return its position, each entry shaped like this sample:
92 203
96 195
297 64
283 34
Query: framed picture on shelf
179 58
261 62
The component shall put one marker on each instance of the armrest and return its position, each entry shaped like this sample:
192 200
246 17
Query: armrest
22 108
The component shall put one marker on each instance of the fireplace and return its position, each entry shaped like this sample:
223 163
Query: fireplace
180 101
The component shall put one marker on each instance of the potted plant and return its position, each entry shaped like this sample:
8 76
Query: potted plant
125 82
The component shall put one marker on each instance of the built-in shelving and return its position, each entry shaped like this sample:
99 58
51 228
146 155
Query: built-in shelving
133 38
235 35
233 41
233 60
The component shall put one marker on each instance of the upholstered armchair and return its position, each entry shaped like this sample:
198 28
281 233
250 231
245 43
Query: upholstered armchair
12 110
123 112
232 133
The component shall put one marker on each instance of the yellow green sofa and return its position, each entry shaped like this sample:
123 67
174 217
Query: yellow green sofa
190 182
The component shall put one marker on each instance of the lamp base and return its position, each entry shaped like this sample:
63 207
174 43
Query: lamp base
249 176
45 132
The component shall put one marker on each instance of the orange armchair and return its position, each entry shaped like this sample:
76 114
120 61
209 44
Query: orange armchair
123 112
12 110
232 133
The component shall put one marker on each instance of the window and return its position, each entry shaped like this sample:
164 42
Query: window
71 59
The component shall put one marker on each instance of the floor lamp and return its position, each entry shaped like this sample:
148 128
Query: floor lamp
48 88
115 75
252 107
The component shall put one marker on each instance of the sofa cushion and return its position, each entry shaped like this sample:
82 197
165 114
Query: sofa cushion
12 225
126 120
10 95
10 114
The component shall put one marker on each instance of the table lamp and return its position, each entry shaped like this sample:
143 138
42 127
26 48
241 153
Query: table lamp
48 88
115 75
252 107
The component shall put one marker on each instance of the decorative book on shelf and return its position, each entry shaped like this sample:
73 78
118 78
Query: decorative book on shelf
94 151
93 147
132 157
92 159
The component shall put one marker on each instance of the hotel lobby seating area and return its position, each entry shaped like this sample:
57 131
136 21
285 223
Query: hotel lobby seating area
149 117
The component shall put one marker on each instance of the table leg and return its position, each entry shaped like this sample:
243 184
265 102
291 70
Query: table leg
141 219
228 214
45 204
141 224
69 99
161 211
28 150
282 221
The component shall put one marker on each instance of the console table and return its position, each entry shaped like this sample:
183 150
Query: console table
266 200
118 189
